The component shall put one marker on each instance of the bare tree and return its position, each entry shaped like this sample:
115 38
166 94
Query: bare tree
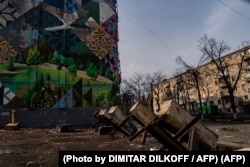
195 77
214 51
140 87
136 84
127 96
154 88
133 89
207 92
176 88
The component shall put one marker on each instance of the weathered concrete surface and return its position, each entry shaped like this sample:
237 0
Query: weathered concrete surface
120 118
178 118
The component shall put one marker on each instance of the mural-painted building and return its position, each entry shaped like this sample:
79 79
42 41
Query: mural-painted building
58 54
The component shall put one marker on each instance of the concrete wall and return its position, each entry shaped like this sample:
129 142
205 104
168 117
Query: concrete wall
50 117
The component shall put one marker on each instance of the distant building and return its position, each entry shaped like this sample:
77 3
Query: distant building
213 91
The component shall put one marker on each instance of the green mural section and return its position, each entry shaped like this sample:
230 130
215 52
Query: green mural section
58 54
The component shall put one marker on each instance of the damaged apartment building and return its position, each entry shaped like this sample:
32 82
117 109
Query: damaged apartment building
207 84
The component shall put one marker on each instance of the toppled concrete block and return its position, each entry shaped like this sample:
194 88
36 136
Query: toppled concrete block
120 118
178 118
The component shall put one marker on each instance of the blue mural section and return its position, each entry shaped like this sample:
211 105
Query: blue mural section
59 54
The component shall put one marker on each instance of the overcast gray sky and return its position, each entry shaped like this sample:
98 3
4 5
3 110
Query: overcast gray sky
152 33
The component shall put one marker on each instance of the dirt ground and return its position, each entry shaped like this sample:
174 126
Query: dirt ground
39 147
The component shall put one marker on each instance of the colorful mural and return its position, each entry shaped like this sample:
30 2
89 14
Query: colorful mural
58 54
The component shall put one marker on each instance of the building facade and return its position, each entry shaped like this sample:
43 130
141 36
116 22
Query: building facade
58 53
211 85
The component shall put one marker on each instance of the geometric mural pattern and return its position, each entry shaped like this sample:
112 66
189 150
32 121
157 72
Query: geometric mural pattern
100 43
7 13
58 54
6 95
60 40
6 51
105 11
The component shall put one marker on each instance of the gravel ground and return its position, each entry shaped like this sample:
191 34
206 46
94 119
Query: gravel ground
39 147
234 135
